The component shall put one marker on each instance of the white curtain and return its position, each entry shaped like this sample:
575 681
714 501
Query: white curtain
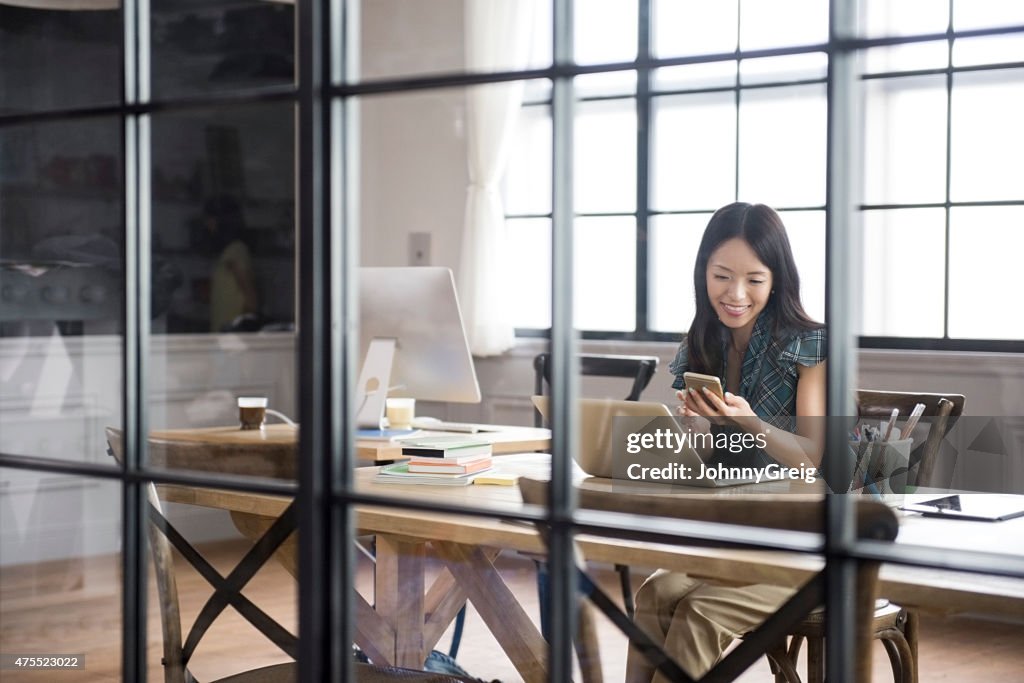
497 39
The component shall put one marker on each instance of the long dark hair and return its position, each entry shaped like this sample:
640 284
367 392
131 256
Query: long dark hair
228 218
760 227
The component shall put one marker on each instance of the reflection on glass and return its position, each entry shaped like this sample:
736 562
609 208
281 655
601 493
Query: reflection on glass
61 288
54 58
670 281
984 244
904 272
693 146
905 140
605 273
693 27
783 126
605 156
200 48
771 24
60 572
987 140
223 220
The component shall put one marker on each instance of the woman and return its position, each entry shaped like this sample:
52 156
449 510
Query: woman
232 283
751 331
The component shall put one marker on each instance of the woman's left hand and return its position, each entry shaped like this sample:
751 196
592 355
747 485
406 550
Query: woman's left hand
706 403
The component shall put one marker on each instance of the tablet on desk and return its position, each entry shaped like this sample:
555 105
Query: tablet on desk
977 506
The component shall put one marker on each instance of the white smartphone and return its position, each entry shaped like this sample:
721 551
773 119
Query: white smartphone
697 381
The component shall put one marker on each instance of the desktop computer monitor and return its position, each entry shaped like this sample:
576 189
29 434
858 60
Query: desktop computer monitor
411 338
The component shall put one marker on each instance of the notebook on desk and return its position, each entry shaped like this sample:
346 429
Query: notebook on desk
598 453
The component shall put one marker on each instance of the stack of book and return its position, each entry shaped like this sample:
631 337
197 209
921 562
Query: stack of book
445 460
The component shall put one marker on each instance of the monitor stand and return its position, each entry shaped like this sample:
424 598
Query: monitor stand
372 389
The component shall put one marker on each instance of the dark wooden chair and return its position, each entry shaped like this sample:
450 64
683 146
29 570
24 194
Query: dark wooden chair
177 651
894 626
874 521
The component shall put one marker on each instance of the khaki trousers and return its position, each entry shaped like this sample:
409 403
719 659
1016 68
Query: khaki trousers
695 621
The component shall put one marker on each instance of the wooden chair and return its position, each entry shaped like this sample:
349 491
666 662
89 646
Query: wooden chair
874 521
894 626
176 653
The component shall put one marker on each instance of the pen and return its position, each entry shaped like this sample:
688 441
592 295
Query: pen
915 415
892 423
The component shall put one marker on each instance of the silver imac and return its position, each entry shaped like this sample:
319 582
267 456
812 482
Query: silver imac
411 338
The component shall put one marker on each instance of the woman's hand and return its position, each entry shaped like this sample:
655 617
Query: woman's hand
705 403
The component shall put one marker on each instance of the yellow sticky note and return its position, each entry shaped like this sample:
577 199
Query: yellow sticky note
497 479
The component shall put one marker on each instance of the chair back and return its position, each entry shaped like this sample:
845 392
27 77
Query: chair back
639 368
875 521
940 414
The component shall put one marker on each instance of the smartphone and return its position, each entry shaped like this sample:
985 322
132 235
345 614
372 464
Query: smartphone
697 381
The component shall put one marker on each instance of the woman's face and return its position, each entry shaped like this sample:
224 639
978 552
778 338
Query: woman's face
738 283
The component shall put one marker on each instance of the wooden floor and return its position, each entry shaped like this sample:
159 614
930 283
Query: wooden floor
74 607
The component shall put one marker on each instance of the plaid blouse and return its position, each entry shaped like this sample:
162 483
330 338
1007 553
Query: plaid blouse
768 378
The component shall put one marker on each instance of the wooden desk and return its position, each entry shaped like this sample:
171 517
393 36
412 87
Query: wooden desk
271 451
410 617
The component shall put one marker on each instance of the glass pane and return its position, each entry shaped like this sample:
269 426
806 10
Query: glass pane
61 284
980 276
55 59
60 573
693 27
693 157
224 198
988 50
987 139
971 14
605 273
605 156
806 231
200 47
904 273
223 241
770 24
883 18
673 246
231 645
529 258
527 182
696 76
399 39
905 140
607 84
788 68
605 31
782 146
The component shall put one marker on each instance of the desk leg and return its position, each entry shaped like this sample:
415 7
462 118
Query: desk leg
498 607
399 597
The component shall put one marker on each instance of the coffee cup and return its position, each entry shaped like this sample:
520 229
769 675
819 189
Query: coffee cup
400 412
252 411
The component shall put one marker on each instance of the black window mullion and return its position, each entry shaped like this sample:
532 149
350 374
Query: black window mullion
949 172
643 168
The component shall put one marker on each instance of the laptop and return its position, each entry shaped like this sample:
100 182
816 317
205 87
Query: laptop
986 507
600 456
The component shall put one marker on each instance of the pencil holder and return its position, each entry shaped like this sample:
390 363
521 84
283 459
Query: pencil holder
881 466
